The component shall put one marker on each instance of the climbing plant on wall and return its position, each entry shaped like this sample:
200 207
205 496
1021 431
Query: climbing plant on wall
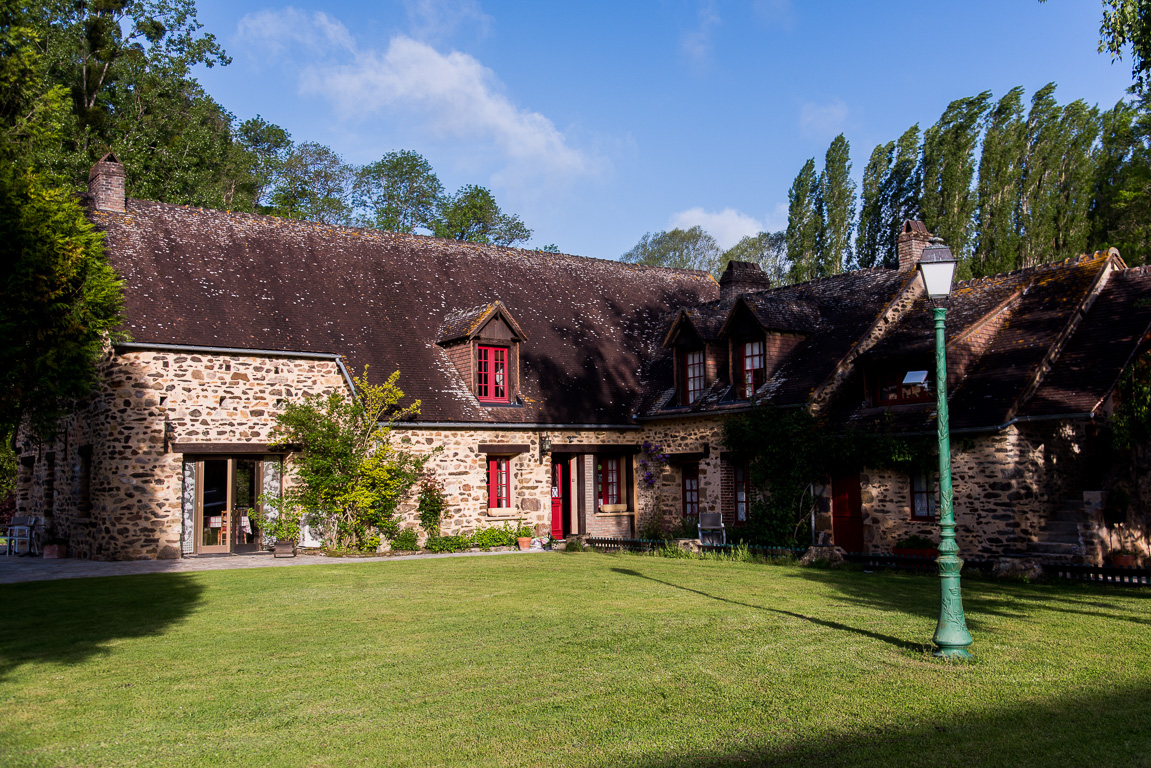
788 450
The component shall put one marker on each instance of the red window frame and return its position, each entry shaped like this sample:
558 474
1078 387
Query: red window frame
752 367
492 374
691 490
922 487
890 389
499 482
693 370
609 480
741 490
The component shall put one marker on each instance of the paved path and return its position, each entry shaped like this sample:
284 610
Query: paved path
16 569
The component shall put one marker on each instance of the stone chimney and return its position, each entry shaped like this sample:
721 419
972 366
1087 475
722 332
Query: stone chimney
742 277
106 184
913 238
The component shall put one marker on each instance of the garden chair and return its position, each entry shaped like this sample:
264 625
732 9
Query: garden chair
24 529
711 530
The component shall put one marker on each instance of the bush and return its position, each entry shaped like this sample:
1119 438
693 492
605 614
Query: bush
652 529
447 543
406 541
574 544
916 542
431 506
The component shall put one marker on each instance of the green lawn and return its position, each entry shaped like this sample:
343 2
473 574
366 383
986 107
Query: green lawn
566 659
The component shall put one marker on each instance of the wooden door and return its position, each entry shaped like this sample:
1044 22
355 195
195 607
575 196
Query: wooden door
847 513
213 505
559 499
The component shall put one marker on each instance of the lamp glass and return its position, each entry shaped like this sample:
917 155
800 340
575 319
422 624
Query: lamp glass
937 266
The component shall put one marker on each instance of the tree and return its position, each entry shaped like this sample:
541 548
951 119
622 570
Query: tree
837 192
472 215
1128 22
348 478
767 249
948 203
267 146
399 192
804 221
1000 178
1121 208
58 300
870 236
905 191
677 249
314 184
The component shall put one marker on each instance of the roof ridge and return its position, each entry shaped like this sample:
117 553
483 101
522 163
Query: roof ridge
402 236
1077 259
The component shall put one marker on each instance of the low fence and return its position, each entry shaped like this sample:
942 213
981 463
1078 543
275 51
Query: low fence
1096 574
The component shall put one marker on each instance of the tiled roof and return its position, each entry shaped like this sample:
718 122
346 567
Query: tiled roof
200 277
466 323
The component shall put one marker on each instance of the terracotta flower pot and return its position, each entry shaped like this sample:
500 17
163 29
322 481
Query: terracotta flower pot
55 551
1120 561
525 542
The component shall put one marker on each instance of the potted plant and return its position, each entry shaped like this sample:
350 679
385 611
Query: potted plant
524 536
1124 558
54 546
282 524
916 546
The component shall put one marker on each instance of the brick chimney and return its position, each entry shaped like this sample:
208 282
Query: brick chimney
742 277
106 184
913 238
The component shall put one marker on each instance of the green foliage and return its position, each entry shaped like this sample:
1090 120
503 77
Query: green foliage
399 192
804 223
892 186
574 544
652 529
282 520
837 193
484 538
767 249
948 202
349 478
916 542
441 544
406 540
472 215
314 184
678 249
58 299
789 450
1000 181
1131 422
431 505
1128 23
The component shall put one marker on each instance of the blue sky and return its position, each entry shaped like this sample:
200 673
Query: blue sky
599 121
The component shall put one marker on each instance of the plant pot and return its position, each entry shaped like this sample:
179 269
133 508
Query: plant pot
1119 561
285 548
931 552
525 543
55 551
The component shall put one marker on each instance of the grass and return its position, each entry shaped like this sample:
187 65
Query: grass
579 659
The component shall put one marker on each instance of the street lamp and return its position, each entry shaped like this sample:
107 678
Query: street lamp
937 266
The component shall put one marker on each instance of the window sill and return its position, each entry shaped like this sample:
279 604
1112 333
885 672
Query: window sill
506 513
609 508
622 513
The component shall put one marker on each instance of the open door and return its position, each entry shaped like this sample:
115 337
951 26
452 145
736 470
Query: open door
847 513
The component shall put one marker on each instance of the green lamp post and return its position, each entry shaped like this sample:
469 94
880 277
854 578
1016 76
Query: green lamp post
937 266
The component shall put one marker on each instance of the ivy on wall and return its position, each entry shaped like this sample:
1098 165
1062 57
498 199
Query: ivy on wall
788 450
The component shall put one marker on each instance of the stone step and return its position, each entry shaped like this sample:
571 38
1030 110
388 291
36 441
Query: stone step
1052 548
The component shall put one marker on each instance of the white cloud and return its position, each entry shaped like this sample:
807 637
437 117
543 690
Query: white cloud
823 120
433 20
276 31
449 96
697 43
728 226
776 12
776 221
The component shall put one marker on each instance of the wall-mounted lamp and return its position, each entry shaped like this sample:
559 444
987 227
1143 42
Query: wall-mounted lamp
545 446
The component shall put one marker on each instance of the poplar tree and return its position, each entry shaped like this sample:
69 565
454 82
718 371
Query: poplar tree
1000 175
905 191
1040 169
1079 129
875 196
837 194
1121 206
804 221
948 168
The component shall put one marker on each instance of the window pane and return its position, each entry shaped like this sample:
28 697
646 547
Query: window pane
694 374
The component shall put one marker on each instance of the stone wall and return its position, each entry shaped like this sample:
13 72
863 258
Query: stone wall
146 402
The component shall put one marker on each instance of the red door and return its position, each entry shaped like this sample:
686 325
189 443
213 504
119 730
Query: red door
559 493
847 513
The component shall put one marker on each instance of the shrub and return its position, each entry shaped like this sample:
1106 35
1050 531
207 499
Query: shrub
406 540
504 536
447 543
431 506
574 544
915 542
652 529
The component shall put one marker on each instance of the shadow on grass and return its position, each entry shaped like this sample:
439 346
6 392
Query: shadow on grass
1111 728
906 645
919 594
70 621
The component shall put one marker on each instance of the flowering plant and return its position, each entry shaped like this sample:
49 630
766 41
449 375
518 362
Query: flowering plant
652 460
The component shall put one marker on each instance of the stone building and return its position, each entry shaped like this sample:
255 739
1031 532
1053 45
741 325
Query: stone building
542 375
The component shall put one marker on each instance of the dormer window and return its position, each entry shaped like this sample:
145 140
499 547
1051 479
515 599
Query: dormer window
753 367
492 374
483 343
693 375
895 386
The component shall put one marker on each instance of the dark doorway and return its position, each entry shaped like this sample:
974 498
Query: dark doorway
847 513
